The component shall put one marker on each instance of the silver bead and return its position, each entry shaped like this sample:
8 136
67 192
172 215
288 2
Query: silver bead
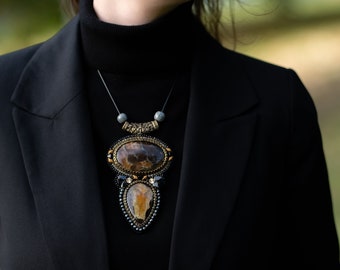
121 118
159 116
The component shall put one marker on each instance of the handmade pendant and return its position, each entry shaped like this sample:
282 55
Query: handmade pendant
140 162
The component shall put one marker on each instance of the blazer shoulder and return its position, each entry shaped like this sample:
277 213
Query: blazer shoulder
263 74
270 80
260 68
12 65
17 60
278 89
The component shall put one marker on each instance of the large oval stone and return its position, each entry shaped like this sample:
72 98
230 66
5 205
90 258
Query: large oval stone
140 156
139 200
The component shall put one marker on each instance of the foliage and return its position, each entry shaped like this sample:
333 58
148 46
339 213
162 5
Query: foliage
20 17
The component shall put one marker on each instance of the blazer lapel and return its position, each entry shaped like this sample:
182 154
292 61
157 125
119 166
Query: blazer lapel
54 131
218 141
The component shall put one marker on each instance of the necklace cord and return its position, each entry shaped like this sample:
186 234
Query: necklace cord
168 97
107 90
113 101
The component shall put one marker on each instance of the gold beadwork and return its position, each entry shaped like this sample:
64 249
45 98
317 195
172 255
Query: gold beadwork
109 156
140 128
129 180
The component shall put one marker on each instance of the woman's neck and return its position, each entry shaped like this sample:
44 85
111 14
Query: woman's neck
133 12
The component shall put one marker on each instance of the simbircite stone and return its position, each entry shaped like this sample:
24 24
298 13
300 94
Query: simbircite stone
140 156
139 200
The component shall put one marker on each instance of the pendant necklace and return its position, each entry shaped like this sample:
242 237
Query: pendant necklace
139 161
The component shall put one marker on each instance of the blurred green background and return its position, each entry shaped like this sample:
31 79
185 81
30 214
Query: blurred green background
299 34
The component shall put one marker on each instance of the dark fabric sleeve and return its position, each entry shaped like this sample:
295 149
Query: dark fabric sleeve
313 221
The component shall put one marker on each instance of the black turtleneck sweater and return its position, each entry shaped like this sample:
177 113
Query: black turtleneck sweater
139 65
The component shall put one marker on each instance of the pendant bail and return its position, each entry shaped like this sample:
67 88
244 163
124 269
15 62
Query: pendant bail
140 128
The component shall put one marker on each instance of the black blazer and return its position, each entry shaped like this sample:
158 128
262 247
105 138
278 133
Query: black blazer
253 191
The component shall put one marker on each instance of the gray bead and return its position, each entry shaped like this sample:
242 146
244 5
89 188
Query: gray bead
122 117
159 116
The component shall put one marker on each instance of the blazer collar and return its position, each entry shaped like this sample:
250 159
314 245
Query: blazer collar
55 135
53 77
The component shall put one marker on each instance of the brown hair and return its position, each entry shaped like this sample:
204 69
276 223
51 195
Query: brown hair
208 11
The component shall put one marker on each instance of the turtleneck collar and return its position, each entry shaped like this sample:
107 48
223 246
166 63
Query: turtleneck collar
161 46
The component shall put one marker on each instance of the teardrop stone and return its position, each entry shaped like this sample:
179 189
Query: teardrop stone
139 200
140 156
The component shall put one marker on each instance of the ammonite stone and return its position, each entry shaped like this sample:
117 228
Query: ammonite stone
140 156
139 199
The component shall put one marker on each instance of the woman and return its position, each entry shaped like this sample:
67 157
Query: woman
243 186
